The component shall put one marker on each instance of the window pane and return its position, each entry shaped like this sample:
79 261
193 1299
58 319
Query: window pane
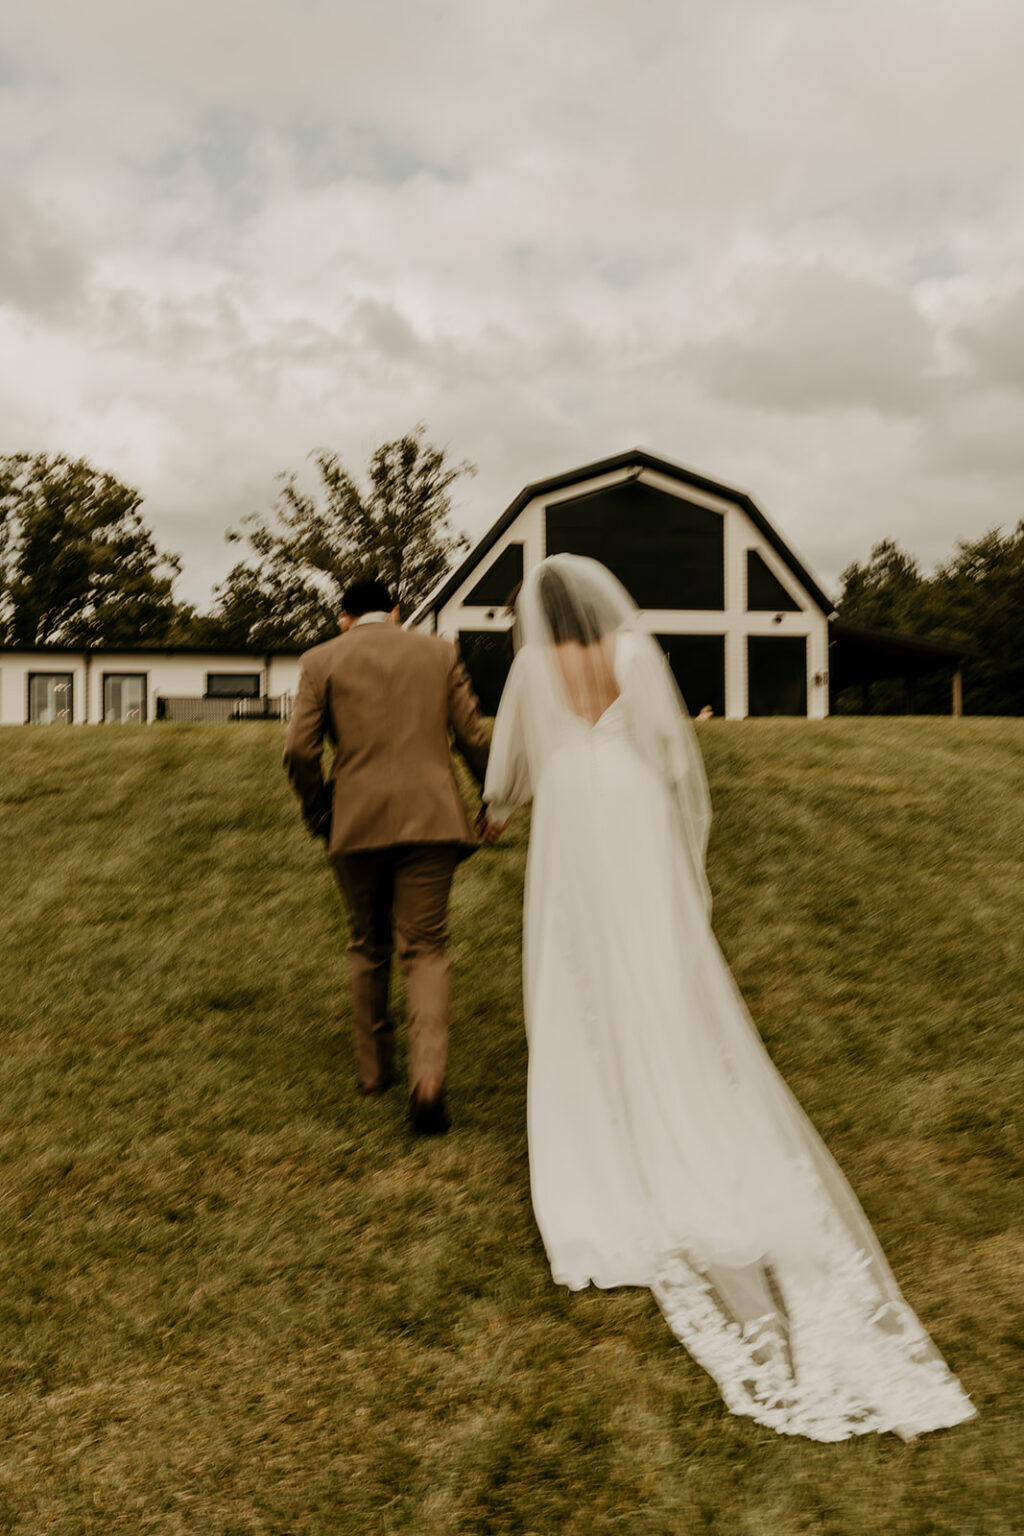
124 698
698 662
776 675
50 698
497 584
232 685
765 592
487 656
667 552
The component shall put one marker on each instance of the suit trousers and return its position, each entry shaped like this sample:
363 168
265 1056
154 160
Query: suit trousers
397 900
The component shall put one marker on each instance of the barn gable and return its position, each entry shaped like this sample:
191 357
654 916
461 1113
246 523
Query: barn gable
714 581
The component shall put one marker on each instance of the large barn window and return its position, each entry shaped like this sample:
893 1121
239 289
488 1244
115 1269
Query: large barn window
499 581
776 675
698 663
667 552
765 592
487 656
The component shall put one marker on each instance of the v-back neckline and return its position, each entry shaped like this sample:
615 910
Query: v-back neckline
592 725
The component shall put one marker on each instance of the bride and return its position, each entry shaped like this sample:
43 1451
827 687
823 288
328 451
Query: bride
665 1149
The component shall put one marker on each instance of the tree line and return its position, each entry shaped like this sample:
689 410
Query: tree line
975 599
78 566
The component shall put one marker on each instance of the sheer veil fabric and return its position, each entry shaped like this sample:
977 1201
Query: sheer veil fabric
665 1149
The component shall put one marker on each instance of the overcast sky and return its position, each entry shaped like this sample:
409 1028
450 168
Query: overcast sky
779 241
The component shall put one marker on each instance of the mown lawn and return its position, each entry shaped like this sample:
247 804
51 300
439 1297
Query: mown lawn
235 1298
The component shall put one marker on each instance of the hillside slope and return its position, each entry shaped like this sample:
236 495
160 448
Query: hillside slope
237 1298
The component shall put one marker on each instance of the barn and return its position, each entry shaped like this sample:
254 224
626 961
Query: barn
741 619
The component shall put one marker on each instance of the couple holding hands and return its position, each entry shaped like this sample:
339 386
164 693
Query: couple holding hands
665 1149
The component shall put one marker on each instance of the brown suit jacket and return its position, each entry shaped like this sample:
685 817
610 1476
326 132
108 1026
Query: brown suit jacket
387 698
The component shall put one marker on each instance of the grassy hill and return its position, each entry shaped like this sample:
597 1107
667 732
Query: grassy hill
235 1298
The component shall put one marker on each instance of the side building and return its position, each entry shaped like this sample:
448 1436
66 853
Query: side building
61 685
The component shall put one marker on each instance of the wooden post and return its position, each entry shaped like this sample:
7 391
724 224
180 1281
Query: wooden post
958 693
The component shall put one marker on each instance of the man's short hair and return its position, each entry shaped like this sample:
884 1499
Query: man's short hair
371 596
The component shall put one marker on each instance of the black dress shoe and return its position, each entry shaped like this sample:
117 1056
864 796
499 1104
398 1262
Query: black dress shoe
428 1117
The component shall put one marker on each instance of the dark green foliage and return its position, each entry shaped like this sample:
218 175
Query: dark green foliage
77 563
236 1298
289 590
980 597
886 593
975 599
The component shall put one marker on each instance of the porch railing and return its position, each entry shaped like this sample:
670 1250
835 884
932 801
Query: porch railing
201 711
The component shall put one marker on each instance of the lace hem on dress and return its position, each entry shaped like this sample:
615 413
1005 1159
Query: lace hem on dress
831 1358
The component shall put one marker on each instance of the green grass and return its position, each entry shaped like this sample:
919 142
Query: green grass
235 1298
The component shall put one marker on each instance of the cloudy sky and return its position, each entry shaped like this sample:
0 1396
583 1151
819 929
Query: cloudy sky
779 241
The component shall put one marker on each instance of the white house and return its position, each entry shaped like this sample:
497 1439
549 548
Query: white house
58 685
744 624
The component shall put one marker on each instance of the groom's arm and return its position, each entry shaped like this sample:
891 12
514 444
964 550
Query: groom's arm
304 746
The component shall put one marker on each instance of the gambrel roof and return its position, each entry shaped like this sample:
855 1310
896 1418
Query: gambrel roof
634 459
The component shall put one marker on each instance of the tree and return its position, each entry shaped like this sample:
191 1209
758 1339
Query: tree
77 564
976 599
885 593
980 593
396 528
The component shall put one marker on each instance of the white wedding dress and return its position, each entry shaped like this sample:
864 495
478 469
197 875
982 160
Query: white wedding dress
665 1149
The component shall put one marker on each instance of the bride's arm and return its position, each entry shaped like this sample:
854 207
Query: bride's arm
507 785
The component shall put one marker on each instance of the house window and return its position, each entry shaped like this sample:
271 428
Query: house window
51 698
232 685
776 675
124 698
666 551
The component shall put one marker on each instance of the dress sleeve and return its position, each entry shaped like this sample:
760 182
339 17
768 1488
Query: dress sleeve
508 783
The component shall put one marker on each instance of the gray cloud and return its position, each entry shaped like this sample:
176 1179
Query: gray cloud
385 330
741 234
40 271
819 340
994 342
979 433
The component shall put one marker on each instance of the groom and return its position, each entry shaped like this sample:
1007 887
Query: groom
392 819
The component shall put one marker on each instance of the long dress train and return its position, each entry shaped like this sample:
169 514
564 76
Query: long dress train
665 1149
